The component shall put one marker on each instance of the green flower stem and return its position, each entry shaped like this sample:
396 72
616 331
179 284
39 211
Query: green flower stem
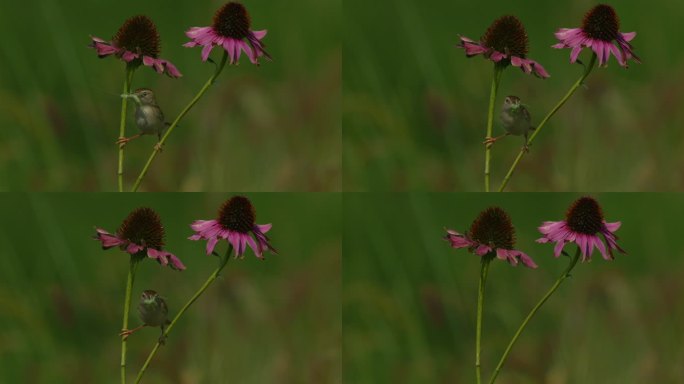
534 310
187 305
578 83
480 304
127 307
122 127
496 77
180 116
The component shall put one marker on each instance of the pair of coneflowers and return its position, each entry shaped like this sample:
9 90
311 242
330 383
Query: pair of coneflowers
505 43
141 235
137 43
492 236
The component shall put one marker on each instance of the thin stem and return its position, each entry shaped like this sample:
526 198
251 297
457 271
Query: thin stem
496 77
122 127
187 305
158 147
554 287
127 307
578 83
480 305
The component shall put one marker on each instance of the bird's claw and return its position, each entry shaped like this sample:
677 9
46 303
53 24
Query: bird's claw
125 333
158 147
489 141
122 141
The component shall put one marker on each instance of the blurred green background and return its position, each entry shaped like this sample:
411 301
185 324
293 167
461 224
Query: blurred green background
272 128
410 300
271 321
415 108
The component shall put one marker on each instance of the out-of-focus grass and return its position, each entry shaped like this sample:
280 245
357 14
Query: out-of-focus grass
409 299
272 321
272 128
415 107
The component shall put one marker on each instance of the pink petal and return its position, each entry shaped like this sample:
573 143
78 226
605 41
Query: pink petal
575 53
539 70
202 225
229 46
107 239
526 260
133 248
172 70
148 61
248 51
200 32
558 248
129 56
628 36
260 34
612 227
157 255
256 248
497 56
206 50
176 263
482 250
211 243
602 248
516 61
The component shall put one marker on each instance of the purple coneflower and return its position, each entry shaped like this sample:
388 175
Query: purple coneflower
491 234
236 223
601 32
505 42
230 29
141 234
136 42
583 224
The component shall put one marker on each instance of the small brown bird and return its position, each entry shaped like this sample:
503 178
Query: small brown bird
515 118
148 115
153 312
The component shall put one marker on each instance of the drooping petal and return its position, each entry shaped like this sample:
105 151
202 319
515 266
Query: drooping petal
129 56
200 33
602 248
526 260
558 248
628 36
471 47
618 55
171 69
497 56
482 249
176 262
157 255
133 248
612 227
539 71
206 50
107 239
102 47
575 53
255 247
458 240
148 61
211 243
